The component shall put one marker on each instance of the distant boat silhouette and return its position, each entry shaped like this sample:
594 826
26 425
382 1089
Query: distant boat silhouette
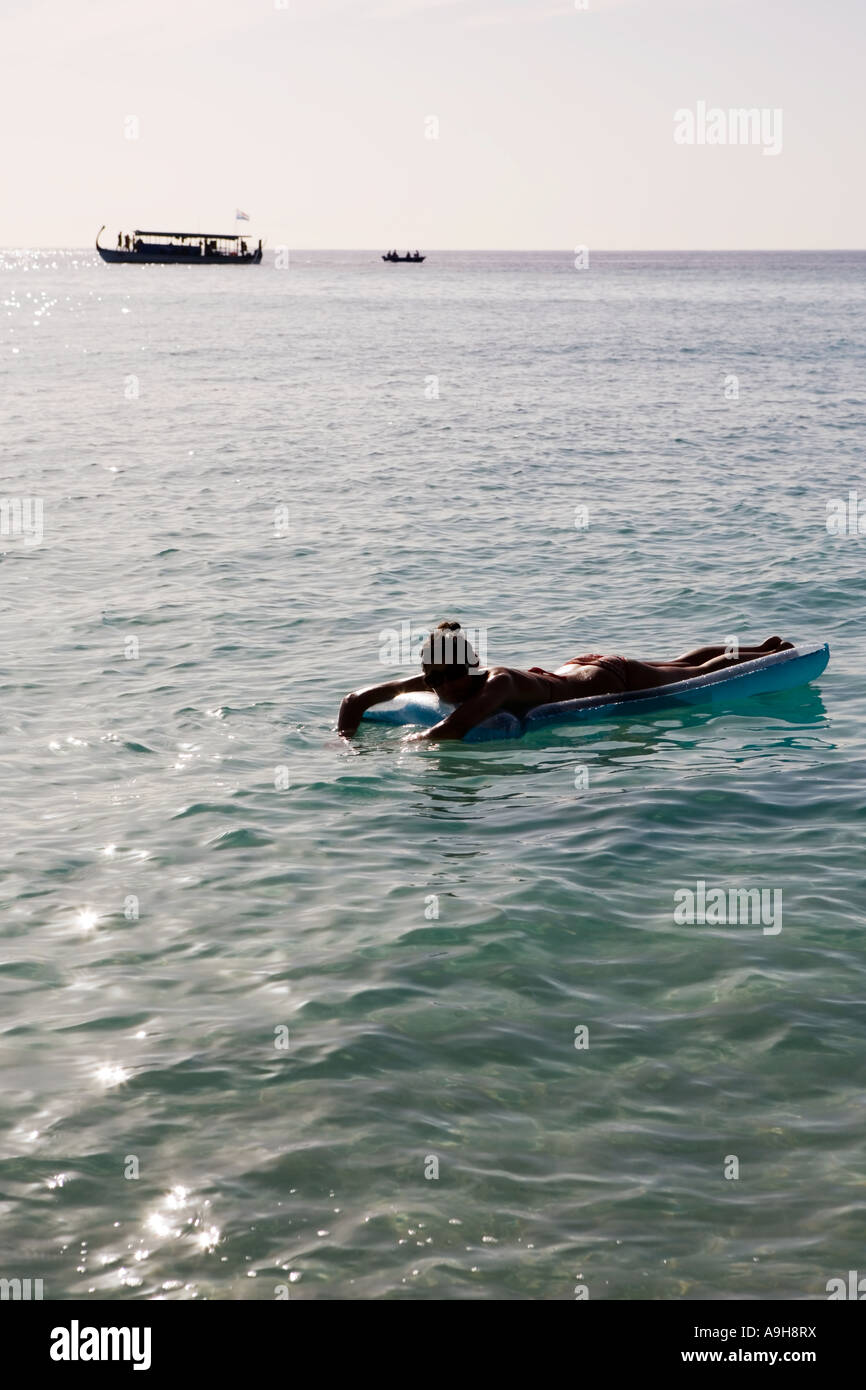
179 248
394 259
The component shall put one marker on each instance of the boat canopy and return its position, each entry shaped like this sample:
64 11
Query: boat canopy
207 236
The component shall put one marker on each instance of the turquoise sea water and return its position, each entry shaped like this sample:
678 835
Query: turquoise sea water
194 863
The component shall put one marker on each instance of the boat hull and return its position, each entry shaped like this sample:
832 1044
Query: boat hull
154 258
404 260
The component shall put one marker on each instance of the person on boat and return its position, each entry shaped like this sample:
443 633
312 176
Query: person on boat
119 241
451 669
136 245
243 248
126 242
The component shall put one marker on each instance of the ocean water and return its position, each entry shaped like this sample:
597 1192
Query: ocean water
285 1014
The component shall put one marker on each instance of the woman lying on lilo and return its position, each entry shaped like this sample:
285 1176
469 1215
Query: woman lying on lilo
449 667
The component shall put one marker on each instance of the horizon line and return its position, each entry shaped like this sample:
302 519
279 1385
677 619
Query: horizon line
525 250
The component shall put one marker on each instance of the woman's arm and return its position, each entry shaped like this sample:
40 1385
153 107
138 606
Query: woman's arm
498 689
357 702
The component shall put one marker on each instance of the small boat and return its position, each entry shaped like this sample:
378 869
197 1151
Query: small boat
394 259
179 248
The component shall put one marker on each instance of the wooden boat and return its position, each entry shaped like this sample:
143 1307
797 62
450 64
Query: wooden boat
179 248
394 259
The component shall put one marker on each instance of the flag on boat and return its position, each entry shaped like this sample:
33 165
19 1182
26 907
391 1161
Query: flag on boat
242 216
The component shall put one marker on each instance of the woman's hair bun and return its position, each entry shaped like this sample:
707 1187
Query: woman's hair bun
448 645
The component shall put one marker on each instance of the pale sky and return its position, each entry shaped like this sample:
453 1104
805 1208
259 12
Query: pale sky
555 123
